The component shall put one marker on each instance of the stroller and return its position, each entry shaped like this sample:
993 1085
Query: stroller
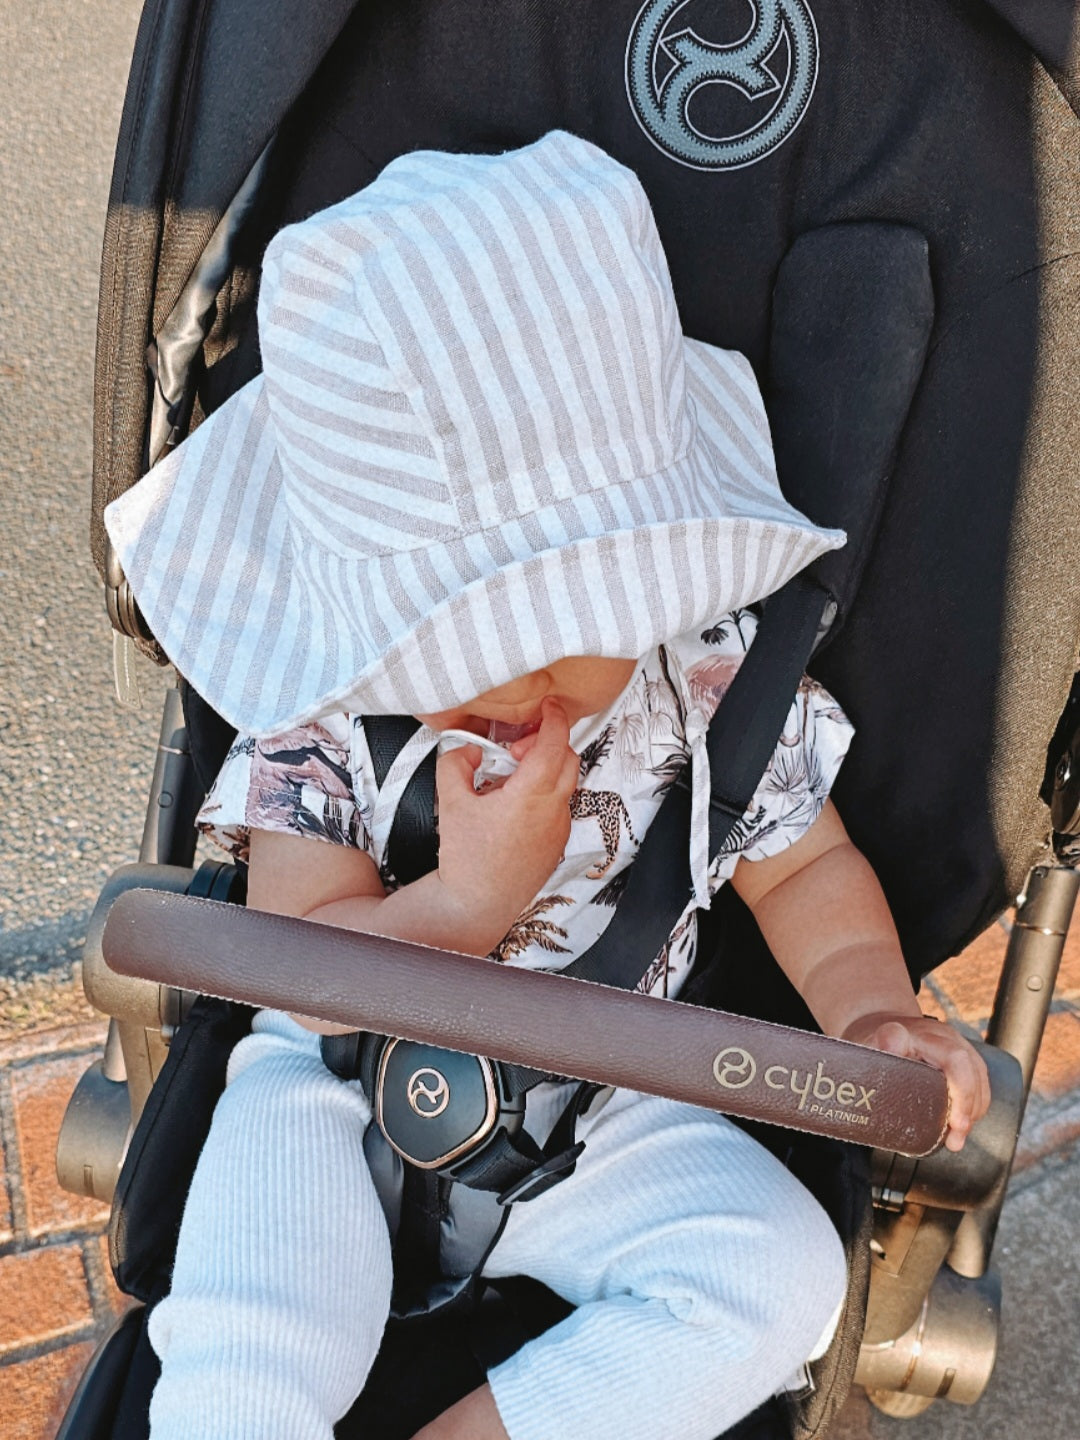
880 209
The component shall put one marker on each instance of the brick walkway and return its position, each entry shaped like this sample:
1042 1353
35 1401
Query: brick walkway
58 1297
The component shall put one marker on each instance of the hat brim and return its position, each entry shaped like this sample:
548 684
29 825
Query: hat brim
272 638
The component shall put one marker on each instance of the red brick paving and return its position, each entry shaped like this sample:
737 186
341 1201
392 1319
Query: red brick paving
116 1300
57 1297
34 1393
1069 975
56 1287
931 1005
7 1224
40 1091
967 983
45 1296
969 980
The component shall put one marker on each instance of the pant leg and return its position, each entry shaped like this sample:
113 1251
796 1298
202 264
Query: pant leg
703 1272
282 1280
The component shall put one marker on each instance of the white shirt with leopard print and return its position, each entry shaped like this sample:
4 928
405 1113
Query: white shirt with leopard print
319 781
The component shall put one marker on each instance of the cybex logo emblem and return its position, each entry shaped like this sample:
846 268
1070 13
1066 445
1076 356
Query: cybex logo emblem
734 1068
818 1093
822 1087
672 75
428 1092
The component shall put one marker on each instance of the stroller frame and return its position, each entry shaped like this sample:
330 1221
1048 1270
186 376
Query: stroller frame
933 1304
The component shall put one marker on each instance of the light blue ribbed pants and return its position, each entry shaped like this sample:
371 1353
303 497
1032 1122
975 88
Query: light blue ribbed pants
703 1273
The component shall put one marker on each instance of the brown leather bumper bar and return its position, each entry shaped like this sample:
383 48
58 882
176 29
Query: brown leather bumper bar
568 1027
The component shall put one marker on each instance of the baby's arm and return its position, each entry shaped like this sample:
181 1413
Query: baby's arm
496 850
825 918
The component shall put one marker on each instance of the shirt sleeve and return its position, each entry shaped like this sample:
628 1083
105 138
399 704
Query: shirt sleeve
299 783
797 782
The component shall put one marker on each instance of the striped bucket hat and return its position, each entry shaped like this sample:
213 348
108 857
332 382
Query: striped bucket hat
480 443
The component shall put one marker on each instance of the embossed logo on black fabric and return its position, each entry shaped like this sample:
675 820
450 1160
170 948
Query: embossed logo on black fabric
728 100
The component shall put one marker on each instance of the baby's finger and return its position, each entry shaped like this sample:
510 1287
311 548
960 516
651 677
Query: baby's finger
894 1037
542 766
965 1074
979 1083
520 748
455 769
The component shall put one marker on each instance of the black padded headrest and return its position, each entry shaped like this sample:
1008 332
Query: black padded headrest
852 312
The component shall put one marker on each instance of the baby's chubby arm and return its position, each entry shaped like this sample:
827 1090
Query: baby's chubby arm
496 850
824 915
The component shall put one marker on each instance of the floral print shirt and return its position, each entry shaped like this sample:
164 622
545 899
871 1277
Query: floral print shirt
318 781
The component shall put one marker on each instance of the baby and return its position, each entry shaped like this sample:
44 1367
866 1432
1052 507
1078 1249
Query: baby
485 481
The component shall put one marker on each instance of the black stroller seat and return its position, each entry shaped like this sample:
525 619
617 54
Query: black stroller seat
781 145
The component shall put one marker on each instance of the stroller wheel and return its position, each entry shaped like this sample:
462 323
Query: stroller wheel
899 1404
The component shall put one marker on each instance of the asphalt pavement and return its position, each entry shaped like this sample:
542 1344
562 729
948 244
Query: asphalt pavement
74 766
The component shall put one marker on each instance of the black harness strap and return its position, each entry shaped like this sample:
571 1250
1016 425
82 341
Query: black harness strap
417 1248
741 739
412 848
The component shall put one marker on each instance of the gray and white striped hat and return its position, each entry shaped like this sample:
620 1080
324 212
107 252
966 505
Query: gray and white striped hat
480 443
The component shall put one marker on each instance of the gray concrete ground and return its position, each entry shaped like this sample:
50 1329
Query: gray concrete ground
74 767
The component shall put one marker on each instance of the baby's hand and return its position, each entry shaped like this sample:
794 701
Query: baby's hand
924 1038
496 849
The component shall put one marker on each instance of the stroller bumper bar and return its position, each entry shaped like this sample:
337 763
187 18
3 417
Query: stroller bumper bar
570 1027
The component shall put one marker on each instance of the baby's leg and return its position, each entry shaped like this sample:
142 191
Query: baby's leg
704 1273
283 1274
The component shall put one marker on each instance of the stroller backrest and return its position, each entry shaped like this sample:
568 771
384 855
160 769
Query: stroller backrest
749 126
